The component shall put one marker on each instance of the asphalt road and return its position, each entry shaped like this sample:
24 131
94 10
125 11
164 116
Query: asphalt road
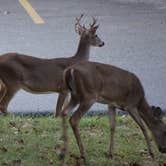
134 33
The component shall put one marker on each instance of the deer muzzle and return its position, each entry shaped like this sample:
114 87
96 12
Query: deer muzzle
101 45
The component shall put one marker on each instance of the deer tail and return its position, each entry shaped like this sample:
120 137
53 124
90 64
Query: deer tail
69 78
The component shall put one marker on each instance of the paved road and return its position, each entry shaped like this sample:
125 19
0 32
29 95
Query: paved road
134 33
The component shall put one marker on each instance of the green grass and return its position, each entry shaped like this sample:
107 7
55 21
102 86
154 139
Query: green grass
28 141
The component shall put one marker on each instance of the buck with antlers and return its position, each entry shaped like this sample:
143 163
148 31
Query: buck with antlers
38 75
90 82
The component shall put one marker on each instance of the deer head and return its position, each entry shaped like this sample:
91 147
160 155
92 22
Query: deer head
159 133
157 112
88 34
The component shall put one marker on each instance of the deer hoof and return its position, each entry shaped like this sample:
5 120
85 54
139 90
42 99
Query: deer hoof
62 154
83 161
3 109
110 156
55 115
152 156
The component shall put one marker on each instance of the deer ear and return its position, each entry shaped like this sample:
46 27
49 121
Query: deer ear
79 30
94 29
76 29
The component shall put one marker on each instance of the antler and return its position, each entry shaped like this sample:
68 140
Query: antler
78 20
93 23
81 29
78 27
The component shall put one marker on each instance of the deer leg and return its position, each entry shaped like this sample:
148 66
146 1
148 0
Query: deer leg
135 115
6 98
3 90
74 122
60 102
112 116
71 104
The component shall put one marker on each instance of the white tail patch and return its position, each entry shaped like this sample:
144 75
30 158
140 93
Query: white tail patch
72 81
72 73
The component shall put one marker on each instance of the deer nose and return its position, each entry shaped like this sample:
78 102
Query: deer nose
102 44
162 150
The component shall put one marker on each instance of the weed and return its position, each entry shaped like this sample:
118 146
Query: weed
37 141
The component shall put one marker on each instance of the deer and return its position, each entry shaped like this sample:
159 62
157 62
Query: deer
39 75
91 82
158 112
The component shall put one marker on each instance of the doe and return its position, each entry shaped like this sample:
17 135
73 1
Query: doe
90 82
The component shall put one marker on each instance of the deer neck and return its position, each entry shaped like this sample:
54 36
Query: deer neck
146 114
82 50
155 125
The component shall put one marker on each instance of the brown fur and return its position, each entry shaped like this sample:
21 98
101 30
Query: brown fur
37 75
90 82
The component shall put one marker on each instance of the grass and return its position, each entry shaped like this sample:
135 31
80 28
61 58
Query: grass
37 141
